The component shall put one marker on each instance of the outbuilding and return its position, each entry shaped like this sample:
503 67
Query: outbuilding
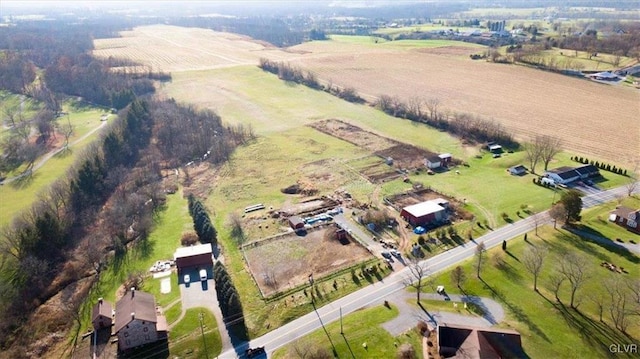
518 170
296 223
426 213
102 315
433 162
198 256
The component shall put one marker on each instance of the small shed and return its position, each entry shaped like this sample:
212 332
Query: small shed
518 170
445 158
296 223
433 162
102 315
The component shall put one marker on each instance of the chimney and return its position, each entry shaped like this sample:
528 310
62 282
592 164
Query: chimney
133 292
133 315
100 300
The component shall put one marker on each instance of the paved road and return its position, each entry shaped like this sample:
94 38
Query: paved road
377 292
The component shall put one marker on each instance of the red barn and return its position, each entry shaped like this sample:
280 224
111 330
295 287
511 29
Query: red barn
425 213
198 256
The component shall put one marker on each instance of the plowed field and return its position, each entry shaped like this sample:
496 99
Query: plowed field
593 119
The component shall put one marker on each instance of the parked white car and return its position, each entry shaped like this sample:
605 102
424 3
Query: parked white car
203 274
186 278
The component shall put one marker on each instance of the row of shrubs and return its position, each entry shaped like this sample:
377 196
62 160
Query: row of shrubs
538 181
229 299
600 165
287 72
201 221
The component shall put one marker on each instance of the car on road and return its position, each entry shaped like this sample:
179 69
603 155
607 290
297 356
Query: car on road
396 253
255 352
203 274
386 254
186 278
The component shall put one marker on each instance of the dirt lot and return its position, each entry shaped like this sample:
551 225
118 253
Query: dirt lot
288 260
404 156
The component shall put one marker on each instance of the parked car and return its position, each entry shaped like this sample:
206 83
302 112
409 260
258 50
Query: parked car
386 254
255 352
186 278
203 274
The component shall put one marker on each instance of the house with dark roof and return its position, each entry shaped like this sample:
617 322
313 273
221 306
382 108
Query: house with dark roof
102 315
627 218
478 343
518 170
562 175
137 321
588 171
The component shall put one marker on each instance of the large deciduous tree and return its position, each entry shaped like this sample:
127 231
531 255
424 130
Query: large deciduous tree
574 269
532 260
572 202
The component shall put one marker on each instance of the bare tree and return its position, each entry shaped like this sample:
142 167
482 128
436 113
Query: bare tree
533 260
480 249
432 106
416 278
458 276
414 108
534 152
67 130
574 269
620 303
558 213
555 282
632 182
550 146
537 221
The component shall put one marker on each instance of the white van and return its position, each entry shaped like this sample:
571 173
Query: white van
203 274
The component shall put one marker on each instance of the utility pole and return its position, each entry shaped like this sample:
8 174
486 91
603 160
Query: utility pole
313 303
206 352
341 331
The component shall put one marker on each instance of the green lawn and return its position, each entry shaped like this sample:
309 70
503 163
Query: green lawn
363 326
186 336
161 244
173 313
597 221
549 329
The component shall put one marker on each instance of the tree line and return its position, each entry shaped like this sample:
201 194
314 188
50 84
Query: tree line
463 125
229 301
286 72
201 222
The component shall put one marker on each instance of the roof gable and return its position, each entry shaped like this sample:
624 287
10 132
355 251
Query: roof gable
135 305
103 308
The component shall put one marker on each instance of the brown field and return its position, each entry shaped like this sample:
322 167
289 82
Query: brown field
287 261
593 119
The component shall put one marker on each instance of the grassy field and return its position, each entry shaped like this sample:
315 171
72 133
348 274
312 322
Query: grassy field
360 327
187 339
398 44
550 329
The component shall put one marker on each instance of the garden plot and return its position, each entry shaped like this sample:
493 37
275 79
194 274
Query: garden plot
286 261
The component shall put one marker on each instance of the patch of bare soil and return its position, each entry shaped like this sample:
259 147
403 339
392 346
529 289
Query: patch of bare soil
353 134
288 260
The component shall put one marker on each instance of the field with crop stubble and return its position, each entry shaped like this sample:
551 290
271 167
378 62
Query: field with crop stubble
593 119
